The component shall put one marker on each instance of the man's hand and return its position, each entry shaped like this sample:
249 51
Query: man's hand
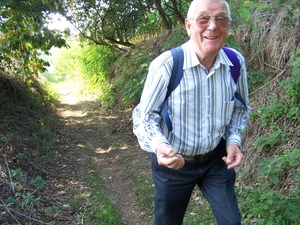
165 157
234 156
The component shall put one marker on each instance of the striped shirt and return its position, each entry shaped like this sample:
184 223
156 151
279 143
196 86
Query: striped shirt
202 108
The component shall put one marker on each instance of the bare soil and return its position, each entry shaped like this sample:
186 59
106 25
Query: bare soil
89 138
108 142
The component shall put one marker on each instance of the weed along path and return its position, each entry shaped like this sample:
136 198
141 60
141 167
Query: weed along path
107 161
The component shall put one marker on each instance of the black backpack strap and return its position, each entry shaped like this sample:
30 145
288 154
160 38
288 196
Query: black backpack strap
175 78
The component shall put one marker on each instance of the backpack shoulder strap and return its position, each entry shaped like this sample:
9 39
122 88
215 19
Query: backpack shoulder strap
177 71
235 71
175 78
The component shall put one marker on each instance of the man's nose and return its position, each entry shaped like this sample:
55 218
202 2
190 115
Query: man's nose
212 24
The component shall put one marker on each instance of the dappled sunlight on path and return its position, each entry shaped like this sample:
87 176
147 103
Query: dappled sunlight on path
103 139
70 92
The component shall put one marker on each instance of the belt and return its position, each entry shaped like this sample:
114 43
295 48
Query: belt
221 147
199 158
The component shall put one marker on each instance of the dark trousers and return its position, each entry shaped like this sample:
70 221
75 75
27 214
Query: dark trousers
173 189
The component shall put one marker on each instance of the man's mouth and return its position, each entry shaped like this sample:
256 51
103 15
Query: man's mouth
210 38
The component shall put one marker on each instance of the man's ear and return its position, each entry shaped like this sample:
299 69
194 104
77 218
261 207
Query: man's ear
188 26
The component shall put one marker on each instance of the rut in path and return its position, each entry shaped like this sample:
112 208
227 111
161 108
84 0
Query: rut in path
111 146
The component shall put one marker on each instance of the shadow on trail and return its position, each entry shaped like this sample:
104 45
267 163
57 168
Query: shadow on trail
104 138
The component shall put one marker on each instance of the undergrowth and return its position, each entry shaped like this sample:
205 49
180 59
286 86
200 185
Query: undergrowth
92 202
272 197
27 130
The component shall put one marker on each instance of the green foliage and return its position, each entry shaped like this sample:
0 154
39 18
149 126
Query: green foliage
135 20
268 207
100 209
292 89
241 15
24 194
23 198
96 69
2 214
256 5
275 168
267 143
39 181
5 138
256 78
273 205
43 134
52 210
150 26
24 35
179 36
65 63
89 65
279 2
96 61
134 86
10 201
16 173
133 72
263 204
26 199
232 42
280 108
97 20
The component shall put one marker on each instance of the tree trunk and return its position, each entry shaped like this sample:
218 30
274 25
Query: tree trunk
166 22
180 17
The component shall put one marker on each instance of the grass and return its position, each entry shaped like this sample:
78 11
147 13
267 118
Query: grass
93 204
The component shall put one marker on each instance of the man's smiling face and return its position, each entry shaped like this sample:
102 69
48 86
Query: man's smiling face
208 38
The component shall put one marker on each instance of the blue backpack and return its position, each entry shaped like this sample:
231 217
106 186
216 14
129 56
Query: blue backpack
177 73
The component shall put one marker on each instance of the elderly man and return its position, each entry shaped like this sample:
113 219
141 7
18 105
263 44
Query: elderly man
206 117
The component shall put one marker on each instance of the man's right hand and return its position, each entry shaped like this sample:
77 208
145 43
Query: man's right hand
164 159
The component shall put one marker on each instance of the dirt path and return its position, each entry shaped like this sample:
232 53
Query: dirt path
104 139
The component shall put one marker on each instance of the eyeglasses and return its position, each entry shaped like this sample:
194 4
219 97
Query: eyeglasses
204 21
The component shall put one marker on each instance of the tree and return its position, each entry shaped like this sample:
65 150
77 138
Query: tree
169 12
23 34
118 22
110 23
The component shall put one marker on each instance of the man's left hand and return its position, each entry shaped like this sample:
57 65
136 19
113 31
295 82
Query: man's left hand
234 156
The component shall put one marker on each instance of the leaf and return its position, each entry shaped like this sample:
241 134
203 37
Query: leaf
5 138
257 5
274 179
246 13
297 176
295 154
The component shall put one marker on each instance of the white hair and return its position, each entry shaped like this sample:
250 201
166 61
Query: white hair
191 10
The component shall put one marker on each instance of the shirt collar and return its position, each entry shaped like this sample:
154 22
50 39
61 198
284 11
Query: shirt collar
192 60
